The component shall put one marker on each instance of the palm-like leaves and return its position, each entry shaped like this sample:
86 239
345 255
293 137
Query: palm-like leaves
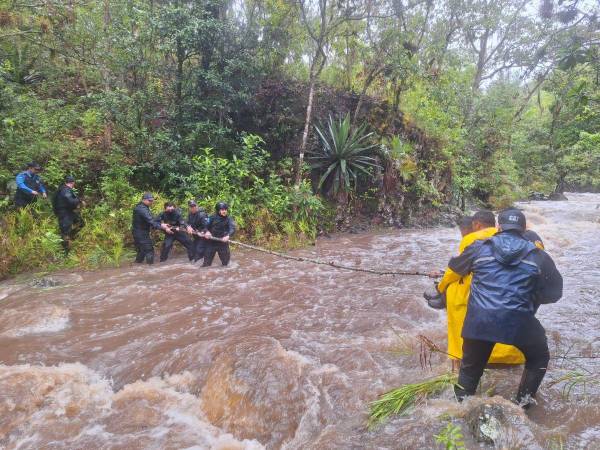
343 155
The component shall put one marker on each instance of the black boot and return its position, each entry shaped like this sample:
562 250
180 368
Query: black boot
465 387
530 382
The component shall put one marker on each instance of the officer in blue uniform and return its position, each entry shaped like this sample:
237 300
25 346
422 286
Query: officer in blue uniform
29 186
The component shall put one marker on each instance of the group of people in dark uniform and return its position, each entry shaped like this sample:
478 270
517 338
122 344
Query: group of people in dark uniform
203 236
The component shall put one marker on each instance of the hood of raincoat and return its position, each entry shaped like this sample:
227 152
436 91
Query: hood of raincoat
509 248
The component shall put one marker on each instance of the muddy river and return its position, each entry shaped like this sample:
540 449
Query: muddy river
271 353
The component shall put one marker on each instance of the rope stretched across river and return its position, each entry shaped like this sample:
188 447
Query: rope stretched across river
326 263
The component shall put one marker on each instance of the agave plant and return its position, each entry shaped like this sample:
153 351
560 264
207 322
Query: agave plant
342 156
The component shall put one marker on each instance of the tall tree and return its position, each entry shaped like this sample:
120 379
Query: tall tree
321 20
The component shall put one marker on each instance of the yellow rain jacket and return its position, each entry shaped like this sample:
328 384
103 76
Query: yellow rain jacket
457 290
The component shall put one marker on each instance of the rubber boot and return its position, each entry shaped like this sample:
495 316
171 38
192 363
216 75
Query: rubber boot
465 387
530 382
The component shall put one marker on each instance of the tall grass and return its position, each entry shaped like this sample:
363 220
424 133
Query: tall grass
399 401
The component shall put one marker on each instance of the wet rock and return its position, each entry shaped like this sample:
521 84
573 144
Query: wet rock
557 196
538 196
56 280
487 423
44 282
357 228
254 390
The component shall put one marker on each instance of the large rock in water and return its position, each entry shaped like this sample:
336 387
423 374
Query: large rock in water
557 196
538 196
55 280
487 423
44 282
255 389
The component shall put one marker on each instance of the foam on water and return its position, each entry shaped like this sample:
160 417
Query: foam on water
44 319
74 407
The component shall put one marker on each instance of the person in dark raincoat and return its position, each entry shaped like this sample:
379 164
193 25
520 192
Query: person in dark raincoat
196 225
220 226
175 230
65 204
511 279
142 222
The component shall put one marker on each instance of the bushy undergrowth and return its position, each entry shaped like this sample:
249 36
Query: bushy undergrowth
266 211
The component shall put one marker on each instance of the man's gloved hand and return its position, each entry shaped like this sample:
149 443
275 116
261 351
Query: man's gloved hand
434 298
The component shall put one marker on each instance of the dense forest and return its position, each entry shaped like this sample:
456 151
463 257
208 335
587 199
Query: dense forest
304 115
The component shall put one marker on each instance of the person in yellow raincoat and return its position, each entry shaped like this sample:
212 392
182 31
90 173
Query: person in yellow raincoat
457 291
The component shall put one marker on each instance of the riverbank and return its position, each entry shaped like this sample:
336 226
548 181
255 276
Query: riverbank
31 243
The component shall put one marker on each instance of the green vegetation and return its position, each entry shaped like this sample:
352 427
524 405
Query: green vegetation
461 102
575 381
267 211
451 437
342 156
400 400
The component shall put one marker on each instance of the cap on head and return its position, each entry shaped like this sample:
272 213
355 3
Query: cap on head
192 203
34 165
147 196
69 179
221 205
512 219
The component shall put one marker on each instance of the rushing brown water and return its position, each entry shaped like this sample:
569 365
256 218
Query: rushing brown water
270 353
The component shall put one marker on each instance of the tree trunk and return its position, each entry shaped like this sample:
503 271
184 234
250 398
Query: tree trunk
370 78
107 135
481 61
307 122
179 90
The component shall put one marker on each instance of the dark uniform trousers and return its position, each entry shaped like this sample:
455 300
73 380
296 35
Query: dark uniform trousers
198 248
170 239
477 352
212 247
69 224
144 246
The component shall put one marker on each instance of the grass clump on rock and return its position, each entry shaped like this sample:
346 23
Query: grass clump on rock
399 401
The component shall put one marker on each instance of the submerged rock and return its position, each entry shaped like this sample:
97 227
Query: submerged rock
58 279
256 389
487 423
555 196
44 282
538 196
